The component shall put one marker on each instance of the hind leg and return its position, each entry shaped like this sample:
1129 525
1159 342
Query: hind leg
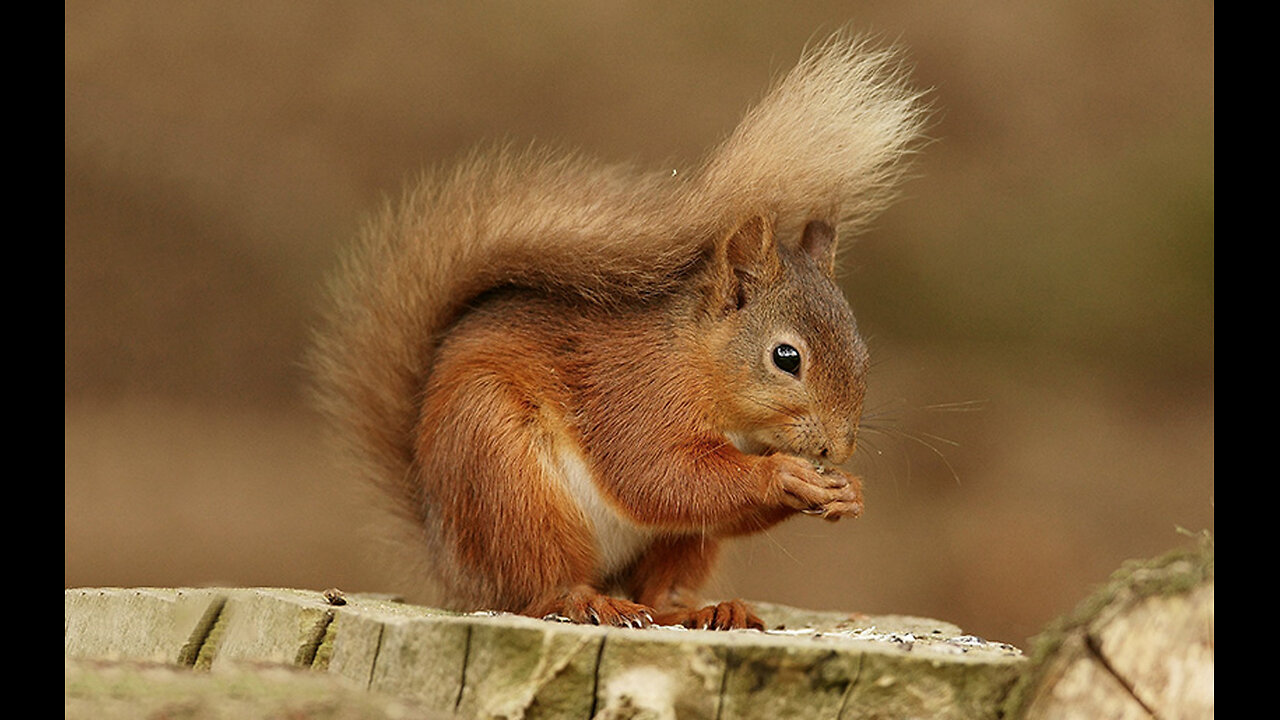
668 576
515 537
584 604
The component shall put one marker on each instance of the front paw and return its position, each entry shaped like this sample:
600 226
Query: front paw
848 496
730 615
827 492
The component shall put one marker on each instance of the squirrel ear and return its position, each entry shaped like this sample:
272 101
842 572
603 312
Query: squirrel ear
750 247
819 242
743 258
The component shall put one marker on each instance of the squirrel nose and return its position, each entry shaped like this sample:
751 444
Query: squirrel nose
840 449
837 457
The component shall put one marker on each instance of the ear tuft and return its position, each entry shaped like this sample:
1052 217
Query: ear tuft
819 242
743 259
750 247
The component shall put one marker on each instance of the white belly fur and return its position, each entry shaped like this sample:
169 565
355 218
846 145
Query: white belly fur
619 539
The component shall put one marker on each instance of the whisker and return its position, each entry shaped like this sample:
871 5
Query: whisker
881 412
870 461
939 438
797 416
919 440
776 543
960 406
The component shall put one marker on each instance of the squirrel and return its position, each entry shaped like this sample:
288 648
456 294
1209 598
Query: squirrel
574 379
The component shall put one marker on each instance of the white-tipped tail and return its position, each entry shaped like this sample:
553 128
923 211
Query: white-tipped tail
827 142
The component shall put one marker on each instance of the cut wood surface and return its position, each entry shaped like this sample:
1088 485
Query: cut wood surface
1140 647
146 651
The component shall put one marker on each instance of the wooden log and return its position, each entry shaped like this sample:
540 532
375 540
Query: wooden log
825 665
1139 647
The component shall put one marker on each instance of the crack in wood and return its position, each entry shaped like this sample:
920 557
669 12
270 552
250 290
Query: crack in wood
551 666
848 690
466 659
306 655
1095 649
324 651
377 652
195 644
724 682
595 677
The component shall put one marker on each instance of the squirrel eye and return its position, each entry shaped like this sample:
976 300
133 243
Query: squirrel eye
787 359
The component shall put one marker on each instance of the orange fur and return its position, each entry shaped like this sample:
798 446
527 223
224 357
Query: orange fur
566 374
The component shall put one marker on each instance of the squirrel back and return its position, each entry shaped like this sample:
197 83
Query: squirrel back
821 153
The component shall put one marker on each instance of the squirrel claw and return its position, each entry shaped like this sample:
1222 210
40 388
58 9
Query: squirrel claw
585 605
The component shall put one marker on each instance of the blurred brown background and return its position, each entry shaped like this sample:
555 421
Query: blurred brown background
1039 303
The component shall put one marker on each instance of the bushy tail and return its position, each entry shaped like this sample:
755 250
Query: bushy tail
825 143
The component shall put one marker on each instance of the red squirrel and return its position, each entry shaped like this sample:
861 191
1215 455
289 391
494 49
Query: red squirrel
575 379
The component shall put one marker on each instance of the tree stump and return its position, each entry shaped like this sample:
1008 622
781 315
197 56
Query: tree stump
370 657
1140 647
